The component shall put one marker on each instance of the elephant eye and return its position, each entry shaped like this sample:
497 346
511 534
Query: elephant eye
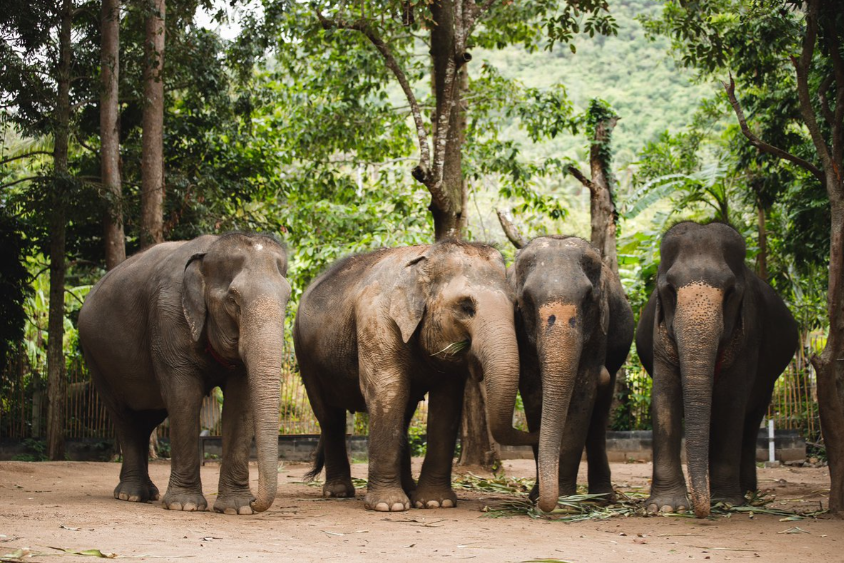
467 307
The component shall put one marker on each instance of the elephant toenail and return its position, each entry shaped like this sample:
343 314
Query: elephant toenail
123 496
432 504
398 507
667 508
189 507
682 509
134 498
419 504
382 507
447 503
244 510
229 510
652 508
175 506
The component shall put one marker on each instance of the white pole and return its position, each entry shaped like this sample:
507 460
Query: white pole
771 449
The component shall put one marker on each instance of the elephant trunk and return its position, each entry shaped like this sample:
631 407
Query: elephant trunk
559 346
261 343
496 350
698 324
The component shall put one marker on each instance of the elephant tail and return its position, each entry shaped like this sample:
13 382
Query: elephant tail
319 462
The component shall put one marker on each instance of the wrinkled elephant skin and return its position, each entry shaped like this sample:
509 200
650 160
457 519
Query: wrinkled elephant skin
164 328
715 338
379 330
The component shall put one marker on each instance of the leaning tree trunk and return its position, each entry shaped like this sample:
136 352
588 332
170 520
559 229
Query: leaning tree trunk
115 246
56 383
152 152
828 366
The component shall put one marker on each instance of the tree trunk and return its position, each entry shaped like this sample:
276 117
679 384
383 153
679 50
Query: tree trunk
449 220
477 448
828 366
115 246
152 156
56 383
601 204
477 445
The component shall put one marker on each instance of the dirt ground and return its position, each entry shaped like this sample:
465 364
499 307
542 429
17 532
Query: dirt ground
69 505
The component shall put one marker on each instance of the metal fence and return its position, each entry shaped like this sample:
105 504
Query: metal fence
23 404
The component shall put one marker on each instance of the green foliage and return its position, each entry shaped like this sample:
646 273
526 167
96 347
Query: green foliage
36 450
14 285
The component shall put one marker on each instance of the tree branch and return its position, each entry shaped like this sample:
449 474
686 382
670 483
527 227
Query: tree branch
26 155
589 184
19 180
801 67
758 143
510 229
422 170
474 12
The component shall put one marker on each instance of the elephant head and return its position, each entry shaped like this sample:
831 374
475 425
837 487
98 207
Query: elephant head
563 313
700 301
455 298
234 299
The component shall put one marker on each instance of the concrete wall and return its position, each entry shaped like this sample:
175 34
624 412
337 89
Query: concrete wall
621 447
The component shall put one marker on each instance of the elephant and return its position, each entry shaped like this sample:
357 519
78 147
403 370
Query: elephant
574 327
714 337
376 331
164 328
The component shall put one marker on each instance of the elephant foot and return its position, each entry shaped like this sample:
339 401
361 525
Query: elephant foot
603 489
434 497
339 488
731 499
136 492
387 500
184 500
234 502
668 502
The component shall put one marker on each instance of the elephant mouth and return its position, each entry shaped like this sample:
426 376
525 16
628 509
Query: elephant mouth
453 349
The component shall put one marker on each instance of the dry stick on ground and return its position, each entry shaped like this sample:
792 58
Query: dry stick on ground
829 365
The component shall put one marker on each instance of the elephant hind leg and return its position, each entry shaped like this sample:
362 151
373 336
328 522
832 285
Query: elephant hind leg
133 430
332 453
600 479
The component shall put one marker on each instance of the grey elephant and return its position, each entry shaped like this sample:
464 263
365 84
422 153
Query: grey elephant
574 328
715 338
376 332
168 325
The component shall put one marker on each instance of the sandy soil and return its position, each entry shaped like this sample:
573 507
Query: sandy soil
70 506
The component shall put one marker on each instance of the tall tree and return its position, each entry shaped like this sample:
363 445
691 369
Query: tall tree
152 165
56 381
713 35
115 245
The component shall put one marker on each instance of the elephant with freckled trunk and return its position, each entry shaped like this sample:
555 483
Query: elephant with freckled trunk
715 338
168 325
574 328
376 332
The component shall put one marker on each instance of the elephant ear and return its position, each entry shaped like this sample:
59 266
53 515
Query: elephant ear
407 303
606 288
193 296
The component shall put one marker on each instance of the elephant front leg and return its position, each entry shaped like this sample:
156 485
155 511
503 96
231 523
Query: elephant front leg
729 402
234 496
445 405
386 395
184 400
668 488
